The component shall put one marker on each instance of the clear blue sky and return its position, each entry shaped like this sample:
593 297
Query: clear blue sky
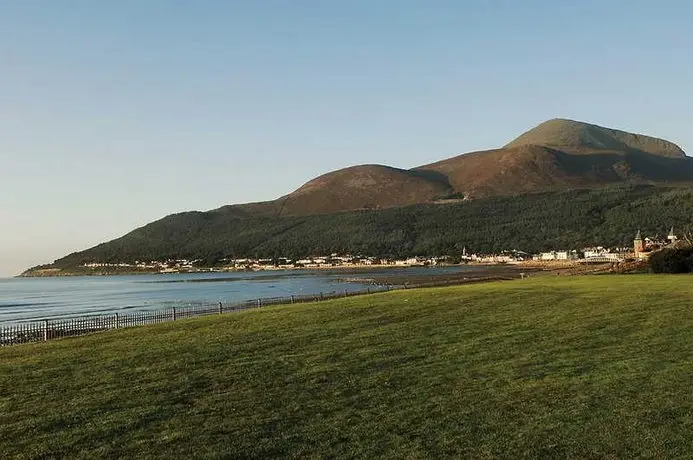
114 114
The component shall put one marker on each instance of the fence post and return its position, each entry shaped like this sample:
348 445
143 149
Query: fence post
174 313
45 330
220 308
116 320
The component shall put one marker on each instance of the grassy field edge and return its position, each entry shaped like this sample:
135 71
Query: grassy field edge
586 366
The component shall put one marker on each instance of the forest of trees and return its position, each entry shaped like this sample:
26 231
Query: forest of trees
532 223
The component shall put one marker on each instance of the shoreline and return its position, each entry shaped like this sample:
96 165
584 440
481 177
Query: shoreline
480 270
58 273
483 273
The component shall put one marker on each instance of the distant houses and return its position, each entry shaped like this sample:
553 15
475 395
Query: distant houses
642 248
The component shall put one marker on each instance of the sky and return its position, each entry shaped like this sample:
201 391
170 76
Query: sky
115 114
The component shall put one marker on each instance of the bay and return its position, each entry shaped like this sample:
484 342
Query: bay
33 299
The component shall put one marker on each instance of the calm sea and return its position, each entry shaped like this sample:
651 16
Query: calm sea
30 299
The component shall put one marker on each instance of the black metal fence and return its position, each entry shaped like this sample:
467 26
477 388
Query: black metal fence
48 329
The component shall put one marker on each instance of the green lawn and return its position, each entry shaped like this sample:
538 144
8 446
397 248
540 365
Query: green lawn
598 366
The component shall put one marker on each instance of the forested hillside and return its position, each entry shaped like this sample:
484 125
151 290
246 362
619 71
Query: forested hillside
532 223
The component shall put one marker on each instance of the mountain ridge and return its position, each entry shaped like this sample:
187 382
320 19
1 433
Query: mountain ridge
549 156
558 156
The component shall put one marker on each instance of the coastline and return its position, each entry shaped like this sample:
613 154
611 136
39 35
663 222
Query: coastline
57 272
497 272
481 272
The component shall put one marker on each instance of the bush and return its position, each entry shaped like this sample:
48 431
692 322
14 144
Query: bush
672 261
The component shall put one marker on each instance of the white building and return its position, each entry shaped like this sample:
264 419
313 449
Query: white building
558 255
601 253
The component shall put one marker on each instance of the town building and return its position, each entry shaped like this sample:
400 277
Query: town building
558 255
643 248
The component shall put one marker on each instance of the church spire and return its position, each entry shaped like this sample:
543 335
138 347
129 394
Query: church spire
638 244
672 237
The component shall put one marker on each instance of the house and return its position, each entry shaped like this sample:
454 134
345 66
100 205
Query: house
602 254
559 255
548 255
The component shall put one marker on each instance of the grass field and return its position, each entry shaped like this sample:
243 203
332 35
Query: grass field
593 366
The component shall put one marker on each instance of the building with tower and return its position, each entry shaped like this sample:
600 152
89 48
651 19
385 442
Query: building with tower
638 245
644 247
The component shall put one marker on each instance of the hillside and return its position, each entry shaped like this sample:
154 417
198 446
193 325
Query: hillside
532 222
535 168
546 367
380 210
364 187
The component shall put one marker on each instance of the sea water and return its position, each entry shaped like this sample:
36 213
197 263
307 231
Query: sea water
31 299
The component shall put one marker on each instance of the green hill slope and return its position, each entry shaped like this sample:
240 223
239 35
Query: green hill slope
531 222
587 367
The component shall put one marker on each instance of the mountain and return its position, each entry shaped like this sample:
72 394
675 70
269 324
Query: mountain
579 137
379 209
558 154
563 154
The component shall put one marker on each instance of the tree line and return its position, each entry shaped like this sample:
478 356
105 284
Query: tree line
531 223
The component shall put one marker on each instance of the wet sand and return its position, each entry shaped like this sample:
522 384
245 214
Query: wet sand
480 274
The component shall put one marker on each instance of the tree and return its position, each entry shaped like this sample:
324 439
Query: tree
671 260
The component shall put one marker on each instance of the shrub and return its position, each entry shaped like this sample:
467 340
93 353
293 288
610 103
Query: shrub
672 261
